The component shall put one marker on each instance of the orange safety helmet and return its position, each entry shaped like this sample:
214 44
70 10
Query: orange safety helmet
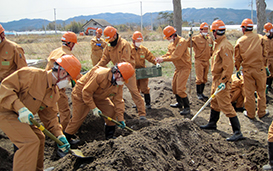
1 28
267 27
126 70
168 31
69 37
109 32
99 30
204 25
71 65
137 36
247 23
218 25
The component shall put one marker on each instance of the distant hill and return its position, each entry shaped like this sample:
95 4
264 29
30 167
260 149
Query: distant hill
231 16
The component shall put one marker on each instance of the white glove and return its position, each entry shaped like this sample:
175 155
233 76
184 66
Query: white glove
96 112
24 115
157 65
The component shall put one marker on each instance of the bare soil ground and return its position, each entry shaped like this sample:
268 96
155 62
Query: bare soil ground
165 141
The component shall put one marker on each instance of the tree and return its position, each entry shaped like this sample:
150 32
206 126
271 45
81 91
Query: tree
261 15
177 16
166 17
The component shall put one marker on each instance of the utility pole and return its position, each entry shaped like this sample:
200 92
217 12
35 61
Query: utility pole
141 15
252 10
152 22
55 20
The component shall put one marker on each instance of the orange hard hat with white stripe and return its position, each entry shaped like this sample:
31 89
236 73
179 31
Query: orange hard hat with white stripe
70 37
268 27
218 25
247 23
1 28
137 36
168 31
99 30
109 32
204 25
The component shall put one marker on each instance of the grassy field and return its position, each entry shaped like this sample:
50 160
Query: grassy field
40 46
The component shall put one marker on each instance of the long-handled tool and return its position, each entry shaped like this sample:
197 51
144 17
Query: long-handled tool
74 152
208 101
116 122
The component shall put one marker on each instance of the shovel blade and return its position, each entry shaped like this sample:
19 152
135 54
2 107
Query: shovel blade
78 153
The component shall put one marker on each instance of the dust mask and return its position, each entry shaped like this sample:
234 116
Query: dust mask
171 40
63 84
120 82
98 39
204 34
267 34
137 44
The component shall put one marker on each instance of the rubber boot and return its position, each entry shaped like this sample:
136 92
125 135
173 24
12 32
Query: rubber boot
109 132
147 99
214 117
202 90
70 140
15 148
186 104
269 82
269 166
235 124
179 102
199 92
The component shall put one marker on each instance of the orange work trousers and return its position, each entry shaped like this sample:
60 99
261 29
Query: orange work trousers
222 101
237 96
201 71
254 79
80 111
29 140
270 133
142 86
138 100
64 109
179 82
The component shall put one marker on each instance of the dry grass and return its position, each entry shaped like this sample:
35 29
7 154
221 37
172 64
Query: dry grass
40 46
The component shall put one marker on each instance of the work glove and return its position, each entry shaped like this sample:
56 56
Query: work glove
97 112
123 125
238 74
222 86
98 44
267 71
66 147
157 65
25 115
190 33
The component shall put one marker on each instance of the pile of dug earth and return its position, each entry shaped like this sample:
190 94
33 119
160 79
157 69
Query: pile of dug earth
165 141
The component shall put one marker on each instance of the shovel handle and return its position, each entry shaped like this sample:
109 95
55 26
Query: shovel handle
45 131
116 122
211 97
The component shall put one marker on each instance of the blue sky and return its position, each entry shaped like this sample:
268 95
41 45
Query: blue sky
44 9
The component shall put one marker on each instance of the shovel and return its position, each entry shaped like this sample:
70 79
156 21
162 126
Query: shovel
74 152
208 101
116 122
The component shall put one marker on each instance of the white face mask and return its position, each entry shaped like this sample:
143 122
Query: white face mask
63 83
98 39
171 40
120 82
137 44
267 34
204 34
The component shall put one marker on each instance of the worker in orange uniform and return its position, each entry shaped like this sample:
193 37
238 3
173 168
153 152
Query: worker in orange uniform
268 29
69 39
11 56
202 45
269 166
221 70
178 54
97 46
237 93
250 52
26 92
141 53
94 90
119 50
